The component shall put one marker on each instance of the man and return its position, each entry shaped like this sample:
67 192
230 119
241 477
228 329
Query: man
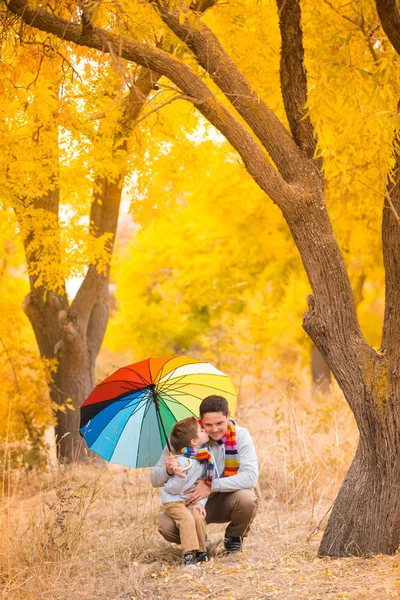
233 500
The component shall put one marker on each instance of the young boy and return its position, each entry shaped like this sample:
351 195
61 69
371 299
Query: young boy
194 462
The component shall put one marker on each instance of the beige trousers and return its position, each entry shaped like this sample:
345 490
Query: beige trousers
236 508
189 524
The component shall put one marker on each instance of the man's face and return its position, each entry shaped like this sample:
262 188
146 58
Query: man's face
215 424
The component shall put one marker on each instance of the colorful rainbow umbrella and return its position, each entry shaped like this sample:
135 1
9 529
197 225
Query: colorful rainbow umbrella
128 417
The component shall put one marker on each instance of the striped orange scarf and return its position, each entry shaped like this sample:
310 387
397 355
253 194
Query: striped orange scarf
231 453
203 455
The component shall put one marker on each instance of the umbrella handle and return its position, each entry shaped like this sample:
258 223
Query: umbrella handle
188 466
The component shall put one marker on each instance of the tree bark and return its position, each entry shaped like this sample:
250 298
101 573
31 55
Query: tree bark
366 514
320 373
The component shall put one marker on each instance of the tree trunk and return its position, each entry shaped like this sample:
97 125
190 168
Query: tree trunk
74 380
59 337
72 384
365 518
320 372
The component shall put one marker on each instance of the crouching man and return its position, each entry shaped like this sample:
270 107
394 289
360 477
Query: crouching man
232 498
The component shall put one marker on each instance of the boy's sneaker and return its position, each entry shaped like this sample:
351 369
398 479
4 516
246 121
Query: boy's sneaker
189 559
202 557
233 544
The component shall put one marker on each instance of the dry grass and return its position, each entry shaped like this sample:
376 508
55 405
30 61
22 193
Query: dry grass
89 531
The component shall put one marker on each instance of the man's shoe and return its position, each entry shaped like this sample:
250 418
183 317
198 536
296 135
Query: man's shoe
233 544
189 559
202 557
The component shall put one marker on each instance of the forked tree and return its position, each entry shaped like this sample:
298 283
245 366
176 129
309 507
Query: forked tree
72 331
366 515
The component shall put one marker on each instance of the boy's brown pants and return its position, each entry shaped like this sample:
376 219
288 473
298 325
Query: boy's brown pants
191 526
236 508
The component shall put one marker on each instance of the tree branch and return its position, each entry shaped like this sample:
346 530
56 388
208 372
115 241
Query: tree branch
389 15
202 5
223 71
104 217
254 158
391 254
294 76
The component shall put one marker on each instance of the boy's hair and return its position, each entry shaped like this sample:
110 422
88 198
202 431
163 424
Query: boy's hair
214 404
183 432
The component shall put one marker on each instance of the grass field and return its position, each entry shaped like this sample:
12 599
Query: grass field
89 531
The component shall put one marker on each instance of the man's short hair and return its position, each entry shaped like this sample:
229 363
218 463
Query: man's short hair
214 404
183 432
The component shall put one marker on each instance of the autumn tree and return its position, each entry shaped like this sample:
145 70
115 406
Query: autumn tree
69 333
288 167
44 115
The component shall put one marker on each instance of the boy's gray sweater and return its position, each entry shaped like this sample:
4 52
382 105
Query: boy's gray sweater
245 478
174 490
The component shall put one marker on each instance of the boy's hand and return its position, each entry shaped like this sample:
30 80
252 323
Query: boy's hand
170 462
179 471
200 508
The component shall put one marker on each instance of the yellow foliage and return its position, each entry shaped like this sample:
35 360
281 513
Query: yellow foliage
25 408
214 271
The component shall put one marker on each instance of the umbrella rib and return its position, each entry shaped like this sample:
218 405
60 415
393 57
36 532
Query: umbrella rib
187 394
177 381
182 377
146 404
171 413
121 396
194 361
140 376
139 406
149 402
134 383
116 399
164 365
162 386
172 400
160 423
203 385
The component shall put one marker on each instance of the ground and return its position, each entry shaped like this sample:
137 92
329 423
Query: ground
89 531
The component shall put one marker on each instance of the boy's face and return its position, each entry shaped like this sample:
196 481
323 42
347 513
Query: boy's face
215 424
202 437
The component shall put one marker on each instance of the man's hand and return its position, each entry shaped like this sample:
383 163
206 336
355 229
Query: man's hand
200 508
179 471
171 461
198 492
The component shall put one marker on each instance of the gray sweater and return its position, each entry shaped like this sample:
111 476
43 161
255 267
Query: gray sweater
245 478
174 490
